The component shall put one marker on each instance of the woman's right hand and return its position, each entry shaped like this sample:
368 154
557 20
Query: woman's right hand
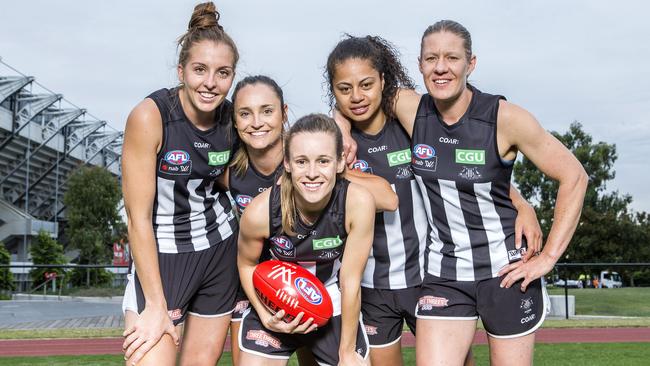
276 324
151 325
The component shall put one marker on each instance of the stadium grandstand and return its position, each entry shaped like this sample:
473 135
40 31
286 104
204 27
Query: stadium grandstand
43 139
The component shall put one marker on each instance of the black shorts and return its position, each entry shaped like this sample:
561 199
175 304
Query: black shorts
241 305
254 338
505 312
384 313
202 283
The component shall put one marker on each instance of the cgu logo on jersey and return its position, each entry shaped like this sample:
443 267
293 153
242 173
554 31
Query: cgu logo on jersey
243 200
399 157
176 162
362 166
475 157
308 290
218 157
327 243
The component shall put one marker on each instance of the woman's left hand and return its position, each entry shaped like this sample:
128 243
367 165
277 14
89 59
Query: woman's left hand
351 358
526 225
535 268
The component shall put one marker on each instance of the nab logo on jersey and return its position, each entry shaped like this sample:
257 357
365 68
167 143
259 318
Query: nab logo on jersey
308 290
424 151
362 166
243 200
177 157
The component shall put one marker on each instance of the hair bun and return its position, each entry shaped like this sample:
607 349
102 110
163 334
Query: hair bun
205 16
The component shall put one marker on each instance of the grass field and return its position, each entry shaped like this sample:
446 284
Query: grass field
630 301
596 354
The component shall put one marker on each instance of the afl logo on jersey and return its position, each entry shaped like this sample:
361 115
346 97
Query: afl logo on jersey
362 166
282 242
308 290
243 200
424 151
177 157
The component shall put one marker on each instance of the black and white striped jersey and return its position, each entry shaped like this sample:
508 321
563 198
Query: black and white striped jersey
191 212
247 186
466 187
318 247
397 255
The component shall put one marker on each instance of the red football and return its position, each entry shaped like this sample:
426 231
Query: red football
290 287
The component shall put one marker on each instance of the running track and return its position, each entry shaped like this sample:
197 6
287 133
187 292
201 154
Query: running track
100 346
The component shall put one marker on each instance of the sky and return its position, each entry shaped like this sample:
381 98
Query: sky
564 61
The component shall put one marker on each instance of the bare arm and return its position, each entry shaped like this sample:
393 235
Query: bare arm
254 229
349 145
406 108
384 196
526 225
360 218
518 130
142 140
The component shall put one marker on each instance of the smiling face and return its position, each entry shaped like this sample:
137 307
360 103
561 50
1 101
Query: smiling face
259 116
357 87
313 164
444 65
207 76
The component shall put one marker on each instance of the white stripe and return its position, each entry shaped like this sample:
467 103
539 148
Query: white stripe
222 217
420 222
458 230
435 245
130 299
368 280
493 229
165 216
396 253
197 216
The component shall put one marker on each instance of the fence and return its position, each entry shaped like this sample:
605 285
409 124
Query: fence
563 272
22 278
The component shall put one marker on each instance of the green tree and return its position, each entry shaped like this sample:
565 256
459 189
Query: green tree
608 231
45 250
6 277
93 220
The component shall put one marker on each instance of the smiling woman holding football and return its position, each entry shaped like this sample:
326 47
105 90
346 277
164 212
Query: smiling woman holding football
312 205
259 115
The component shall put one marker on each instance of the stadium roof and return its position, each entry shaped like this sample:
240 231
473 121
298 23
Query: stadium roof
43 138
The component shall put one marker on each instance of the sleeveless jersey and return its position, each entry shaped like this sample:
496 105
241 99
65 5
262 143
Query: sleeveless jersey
396 259
466 189
191 212
318 247
244 188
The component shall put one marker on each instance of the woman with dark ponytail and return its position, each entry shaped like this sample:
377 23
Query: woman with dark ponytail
182 230
312 203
